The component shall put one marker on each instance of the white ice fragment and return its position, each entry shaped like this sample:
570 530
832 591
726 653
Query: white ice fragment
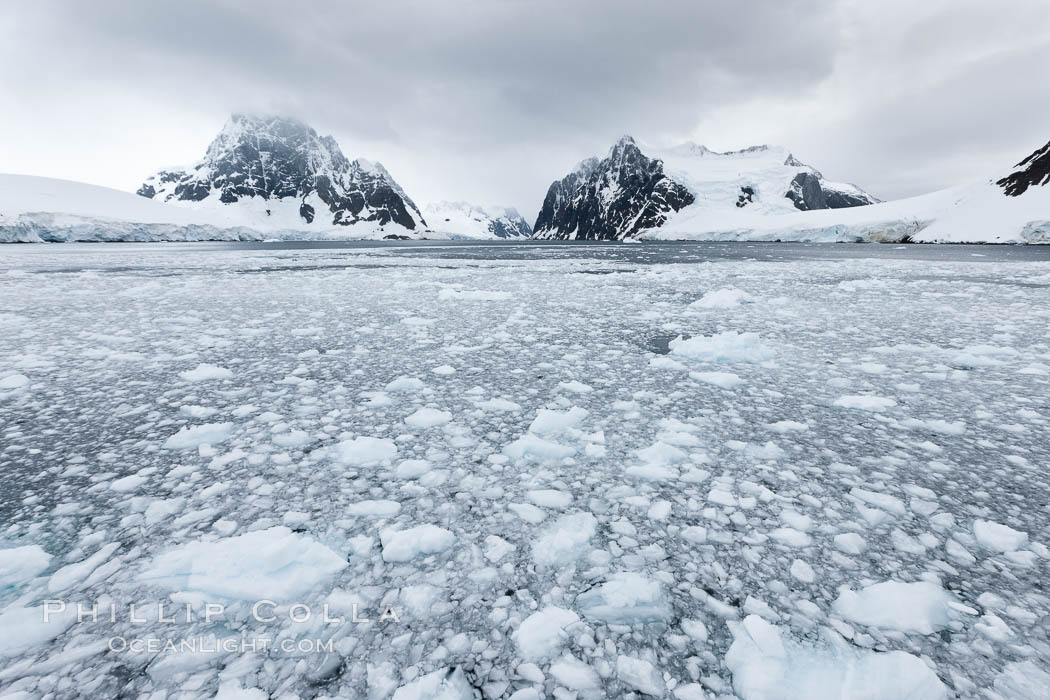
549 422
428 418
543 633
446 684
192 437
13 381
730 346
574 674
921 606
374 509
769 665
997 537
639 674
405 545
725 298
625 599
725 380
532 446
206 373
550 498
274 564
565 540
19 565
365 450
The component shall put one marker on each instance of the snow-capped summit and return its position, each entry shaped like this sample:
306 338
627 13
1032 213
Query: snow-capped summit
613 198
462 219
629 191
280 173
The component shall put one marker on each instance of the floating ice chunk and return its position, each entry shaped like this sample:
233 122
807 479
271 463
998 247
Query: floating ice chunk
443 370
13 381
72 574
496 548
535 447
565 540
446 684
893 605
723 347
292 439
192 437
21 564
428 418
274 564
721 497
865 402
725 298
365 450
661 453
575 675
625 599
850 543
639 674
374 509
886 502
418 321
550 498
1022 680
527 512
128 483
542 634
768 665
575 387
802 571
548 422
206 373
198 412
498 405
998 538
787 426
770 450
694 533
422 540
405 385
28 627
412 468
791 537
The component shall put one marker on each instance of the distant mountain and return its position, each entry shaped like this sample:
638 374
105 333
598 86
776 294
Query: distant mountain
460 219
277 172
1031 172
629 192
613 198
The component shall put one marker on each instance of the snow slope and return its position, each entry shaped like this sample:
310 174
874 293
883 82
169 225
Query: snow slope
36 209
979 212
465 220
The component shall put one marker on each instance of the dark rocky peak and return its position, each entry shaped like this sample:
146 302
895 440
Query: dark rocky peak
1033 171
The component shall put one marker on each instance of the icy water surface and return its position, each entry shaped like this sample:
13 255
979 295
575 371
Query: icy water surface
525 470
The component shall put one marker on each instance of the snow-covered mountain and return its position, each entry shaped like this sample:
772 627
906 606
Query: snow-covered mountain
1012 207
465 220
276 172
628 191
612 198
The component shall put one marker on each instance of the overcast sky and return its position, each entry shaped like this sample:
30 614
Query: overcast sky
491 100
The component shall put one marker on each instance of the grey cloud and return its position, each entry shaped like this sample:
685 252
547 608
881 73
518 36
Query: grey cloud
492 100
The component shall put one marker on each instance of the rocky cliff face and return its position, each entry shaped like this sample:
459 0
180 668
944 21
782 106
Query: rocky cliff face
612 199
628 192
271 163
1033 171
